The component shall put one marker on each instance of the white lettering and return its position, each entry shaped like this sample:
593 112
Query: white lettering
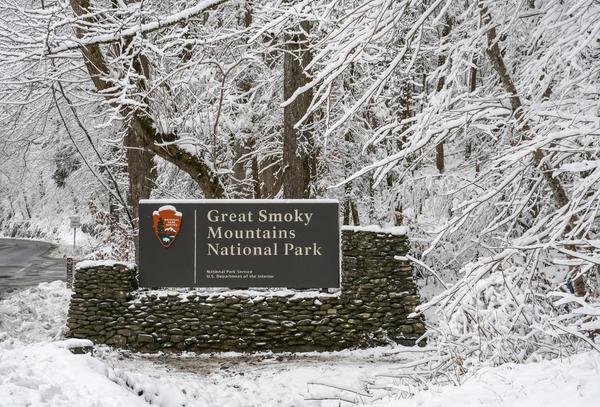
295 216
214 233
213 215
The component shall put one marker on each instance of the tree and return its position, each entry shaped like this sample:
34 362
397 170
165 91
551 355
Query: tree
526 209
297 143
142 129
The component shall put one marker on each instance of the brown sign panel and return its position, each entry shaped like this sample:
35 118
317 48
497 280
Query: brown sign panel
239 243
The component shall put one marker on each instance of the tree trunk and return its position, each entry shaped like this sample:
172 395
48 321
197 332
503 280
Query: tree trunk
255 177
495 56
354 212
240 186
142 174
296 142
350 209
439 157
346 212
270 178
472 87
439 148
140 162
256 193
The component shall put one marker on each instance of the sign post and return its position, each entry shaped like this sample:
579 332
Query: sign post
69 272
75 223
240 243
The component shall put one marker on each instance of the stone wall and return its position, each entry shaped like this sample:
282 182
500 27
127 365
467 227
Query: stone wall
378 294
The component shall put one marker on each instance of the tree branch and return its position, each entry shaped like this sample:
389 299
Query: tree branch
81 6
97 68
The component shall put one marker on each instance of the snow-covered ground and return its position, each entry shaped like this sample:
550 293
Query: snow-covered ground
37 369
571 381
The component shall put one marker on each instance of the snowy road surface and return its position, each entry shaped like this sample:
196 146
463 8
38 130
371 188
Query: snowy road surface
26 263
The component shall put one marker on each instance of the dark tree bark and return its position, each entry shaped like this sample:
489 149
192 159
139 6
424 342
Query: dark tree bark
270 179
243 145
472 87
241 150
351 213
354 212
296 142
142 174
255 171
191 164
439 148
439 157
346 220
140 162
350 209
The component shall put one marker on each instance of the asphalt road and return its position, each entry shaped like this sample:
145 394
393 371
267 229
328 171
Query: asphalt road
26 263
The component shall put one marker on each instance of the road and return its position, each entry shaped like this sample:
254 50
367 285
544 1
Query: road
26 263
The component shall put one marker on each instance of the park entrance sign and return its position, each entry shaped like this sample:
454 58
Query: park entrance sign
239 243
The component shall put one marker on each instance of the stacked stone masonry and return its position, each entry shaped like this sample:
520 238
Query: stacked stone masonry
378 293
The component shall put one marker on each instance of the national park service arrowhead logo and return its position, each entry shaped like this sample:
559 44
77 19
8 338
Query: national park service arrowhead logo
166 222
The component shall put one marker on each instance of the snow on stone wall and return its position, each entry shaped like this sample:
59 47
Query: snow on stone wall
378 293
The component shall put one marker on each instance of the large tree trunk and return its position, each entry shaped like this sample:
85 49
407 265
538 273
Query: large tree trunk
296 142
242 143
140 162
142 174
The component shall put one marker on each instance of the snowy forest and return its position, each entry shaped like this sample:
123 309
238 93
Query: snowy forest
473 124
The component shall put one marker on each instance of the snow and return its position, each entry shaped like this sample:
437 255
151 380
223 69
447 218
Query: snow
48 374
570 382
167 208
73 343
482 214
392 230
141 28
34 371
85 264
36 366
34 315
255 294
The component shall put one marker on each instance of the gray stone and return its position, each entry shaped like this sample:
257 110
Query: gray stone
145 338
117 340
